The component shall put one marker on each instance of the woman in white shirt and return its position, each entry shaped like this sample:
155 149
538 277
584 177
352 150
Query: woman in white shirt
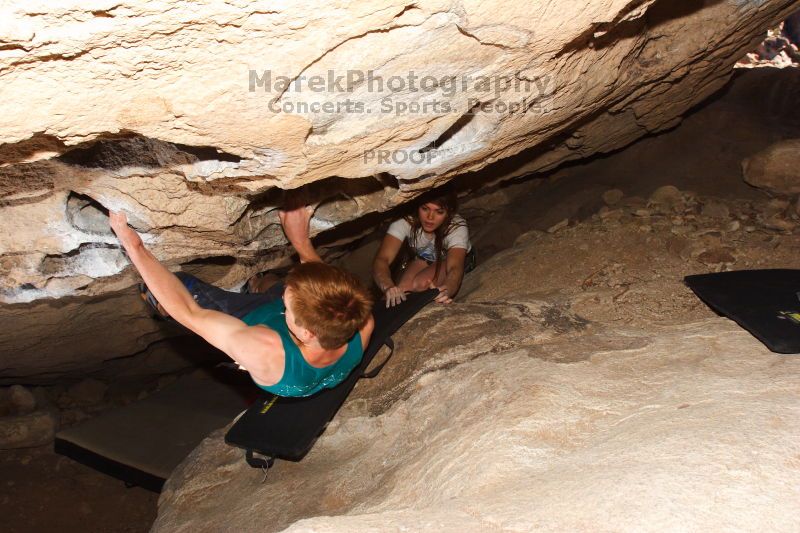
439 239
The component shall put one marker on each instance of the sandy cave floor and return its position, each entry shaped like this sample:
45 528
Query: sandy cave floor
617 265
43 492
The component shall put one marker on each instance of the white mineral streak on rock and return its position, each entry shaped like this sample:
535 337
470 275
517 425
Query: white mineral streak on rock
210 169
87 255
27 430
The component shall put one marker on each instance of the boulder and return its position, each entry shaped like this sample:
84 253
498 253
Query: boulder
29 430
717 256
779 223
558 226
514 439
613 196
576 385
196 126
86 393
775 169
666 197
715 209
21 399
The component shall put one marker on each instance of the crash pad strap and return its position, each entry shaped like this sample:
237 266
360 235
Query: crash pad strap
258 462
287 428
389 343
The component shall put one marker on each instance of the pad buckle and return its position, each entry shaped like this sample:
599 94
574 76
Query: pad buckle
264 463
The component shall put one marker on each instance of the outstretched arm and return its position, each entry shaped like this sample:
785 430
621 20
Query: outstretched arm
456 257
381 272
165 286
246 345
295 225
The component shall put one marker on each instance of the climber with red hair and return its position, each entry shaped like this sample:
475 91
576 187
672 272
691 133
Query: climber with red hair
294 341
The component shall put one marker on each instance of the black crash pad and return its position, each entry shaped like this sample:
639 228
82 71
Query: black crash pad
143 442
286 428
764 302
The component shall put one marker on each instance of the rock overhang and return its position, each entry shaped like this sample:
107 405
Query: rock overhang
179 117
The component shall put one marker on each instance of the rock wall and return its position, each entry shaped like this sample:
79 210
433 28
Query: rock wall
646 435
182 114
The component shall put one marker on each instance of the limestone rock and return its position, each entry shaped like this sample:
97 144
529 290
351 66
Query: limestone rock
776 169
776 206
26 431
779 223
409 469
715 209
634 202
717 256
195 125
606 213
613 196
86 392
147 107
21 399
678 246
558 226
666 197
71 417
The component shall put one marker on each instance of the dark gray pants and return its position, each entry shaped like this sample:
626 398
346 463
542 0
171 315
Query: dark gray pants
228 302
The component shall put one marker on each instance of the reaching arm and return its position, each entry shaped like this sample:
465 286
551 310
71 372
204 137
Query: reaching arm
456 257
295 225
387 253
165 286
250 346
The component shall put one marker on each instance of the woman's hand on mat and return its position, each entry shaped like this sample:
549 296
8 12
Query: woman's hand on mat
394 296
442 297
127 235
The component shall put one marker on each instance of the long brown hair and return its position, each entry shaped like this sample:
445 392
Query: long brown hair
448 202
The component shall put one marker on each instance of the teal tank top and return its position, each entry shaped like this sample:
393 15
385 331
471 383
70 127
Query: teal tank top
299 377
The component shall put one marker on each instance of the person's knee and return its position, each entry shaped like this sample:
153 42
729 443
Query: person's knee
421 283
262 283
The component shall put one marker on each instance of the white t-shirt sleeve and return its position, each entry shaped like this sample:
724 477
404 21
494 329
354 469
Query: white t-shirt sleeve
400 229
458 236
